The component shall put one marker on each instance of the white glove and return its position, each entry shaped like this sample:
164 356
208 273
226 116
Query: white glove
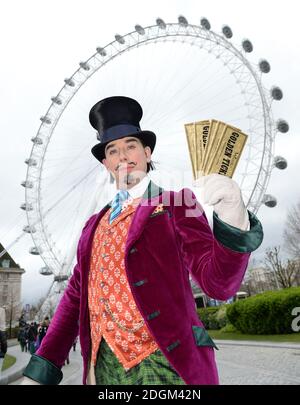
29 381
225 195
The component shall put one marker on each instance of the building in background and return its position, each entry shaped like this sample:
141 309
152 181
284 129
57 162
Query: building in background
10 287
259 279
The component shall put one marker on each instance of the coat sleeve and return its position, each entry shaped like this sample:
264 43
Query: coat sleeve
45 366
217 260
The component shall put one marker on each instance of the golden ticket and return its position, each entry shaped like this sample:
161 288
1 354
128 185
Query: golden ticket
214 138
228 153
190 132
202 131
214 147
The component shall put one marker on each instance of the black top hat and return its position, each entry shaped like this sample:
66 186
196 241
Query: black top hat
115 118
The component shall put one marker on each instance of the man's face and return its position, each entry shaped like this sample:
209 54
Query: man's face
126 159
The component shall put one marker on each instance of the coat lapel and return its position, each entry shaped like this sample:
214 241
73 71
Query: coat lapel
87 237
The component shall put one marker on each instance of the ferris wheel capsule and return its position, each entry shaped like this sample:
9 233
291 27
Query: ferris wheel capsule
120 39
161 24
280 162
31 162
29 229
27 184
56 100
269 201
84 65
182 21
70 82
26 207
45 119
264 66
61 277
282 126
101 51
46 271
139 29
276 93
227 32
247 45
205 23
37 140
35 251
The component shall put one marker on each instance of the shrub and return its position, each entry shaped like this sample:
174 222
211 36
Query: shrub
221 316
266 313
213 317
229 328
213 322
205 315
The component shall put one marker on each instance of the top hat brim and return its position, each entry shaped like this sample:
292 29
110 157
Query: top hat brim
147 137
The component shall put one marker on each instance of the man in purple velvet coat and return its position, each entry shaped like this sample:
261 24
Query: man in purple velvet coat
163 248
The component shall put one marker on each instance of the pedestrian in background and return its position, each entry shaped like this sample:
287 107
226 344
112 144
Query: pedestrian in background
22 339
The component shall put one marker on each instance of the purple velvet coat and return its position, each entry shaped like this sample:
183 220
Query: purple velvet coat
161 250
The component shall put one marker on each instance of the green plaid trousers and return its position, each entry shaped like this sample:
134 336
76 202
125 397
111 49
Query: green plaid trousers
153 370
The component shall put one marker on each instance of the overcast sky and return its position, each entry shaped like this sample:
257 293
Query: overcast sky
42 43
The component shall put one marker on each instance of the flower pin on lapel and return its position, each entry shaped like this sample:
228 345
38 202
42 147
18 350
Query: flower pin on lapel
158 209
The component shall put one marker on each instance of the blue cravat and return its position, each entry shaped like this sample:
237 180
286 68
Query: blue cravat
116 206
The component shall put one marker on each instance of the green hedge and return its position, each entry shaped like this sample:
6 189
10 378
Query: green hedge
266 313
13 332
213 317
205 314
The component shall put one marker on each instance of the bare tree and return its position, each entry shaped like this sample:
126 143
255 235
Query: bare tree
12 312
292 231
285 274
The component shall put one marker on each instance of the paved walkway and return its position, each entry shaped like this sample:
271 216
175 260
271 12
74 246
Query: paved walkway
239 362
13 375
256 363
14 372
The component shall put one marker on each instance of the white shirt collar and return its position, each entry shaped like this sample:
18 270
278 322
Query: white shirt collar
139 189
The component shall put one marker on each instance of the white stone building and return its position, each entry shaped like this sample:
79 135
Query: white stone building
10 287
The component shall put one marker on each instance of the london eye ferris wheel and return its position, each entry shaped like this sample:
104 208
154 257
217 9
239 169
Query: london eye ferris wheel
179 72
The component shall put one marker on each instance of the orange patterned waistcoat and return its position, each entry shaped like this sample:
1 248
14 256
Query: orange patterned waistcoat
113 312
